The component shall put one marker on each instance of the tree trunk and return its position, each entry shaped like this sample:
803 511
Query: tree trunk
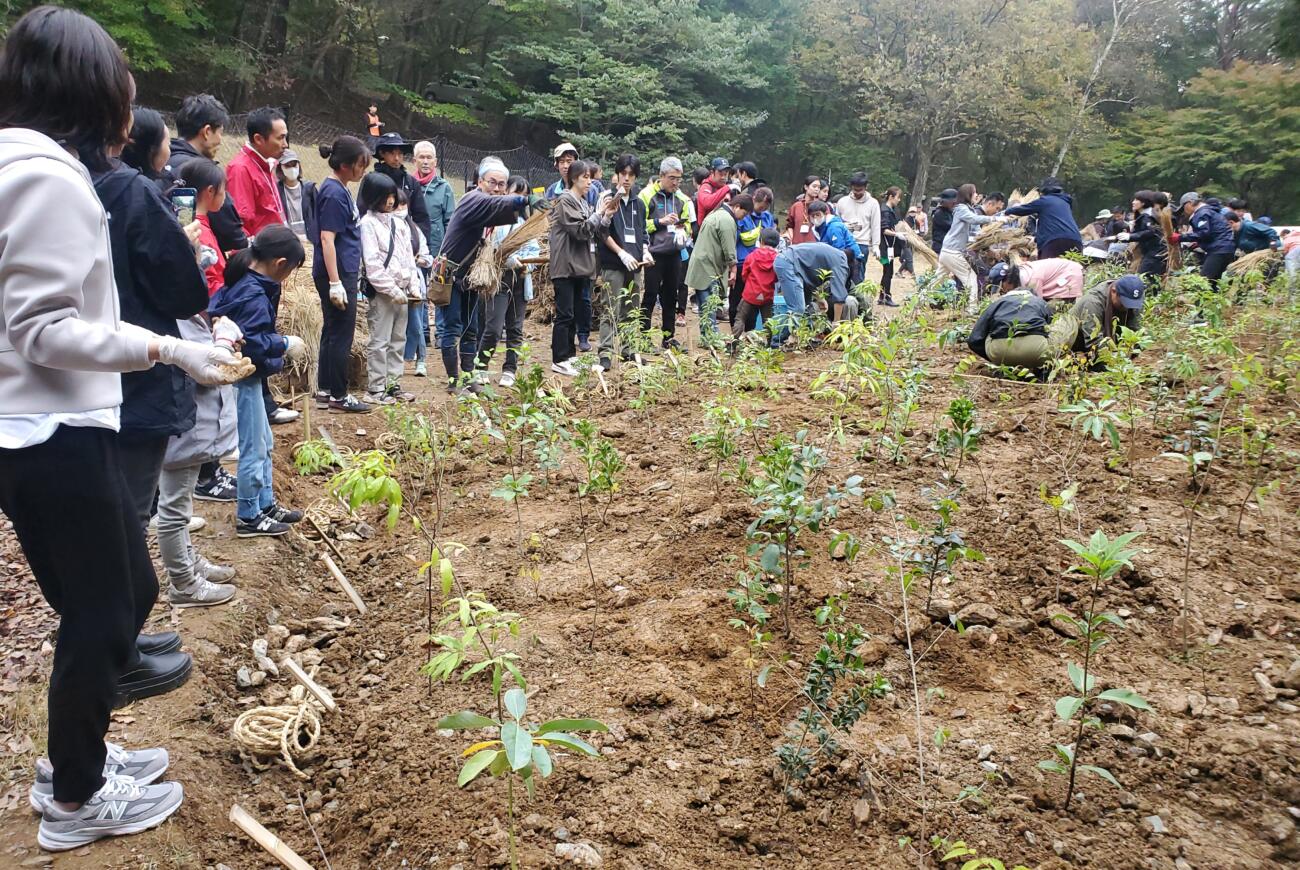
924 153
1118 18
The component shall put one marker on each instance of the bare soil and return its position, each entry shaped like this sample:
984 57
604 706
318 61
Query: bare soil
687 779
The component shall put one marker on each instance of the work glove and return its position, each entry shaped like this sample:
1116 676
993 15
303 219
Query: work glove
629 262
293 347
1123 237
226 333
207 364
424 261
338 296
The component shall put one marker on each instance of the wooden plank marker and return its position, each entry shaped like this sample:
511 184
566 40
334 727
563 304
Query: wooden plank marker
276 847
321 693
343 581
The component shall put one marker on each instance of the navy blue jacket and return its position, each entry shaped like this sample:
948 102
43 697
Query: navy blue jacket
249 303
1055 218
158 283
475 212
1211 231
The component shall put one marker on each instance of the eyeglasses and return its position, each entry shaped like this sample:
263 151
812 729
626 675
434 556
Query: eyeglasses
673 177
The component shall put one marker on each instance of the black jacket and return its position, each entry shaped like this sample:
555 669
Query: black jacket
633 210
1016 313
403 179
158 283
1150 240
940 223
225 222
474 213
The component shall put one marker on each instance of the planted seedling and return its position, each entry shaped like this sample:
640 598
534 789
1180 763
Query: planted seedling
480 624
368 480
523 751
972 860
511 490
315 456
959 438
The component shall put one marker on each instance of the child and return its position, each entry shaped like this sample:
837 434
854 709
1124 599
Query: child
759 280
391 275
253 277
417 319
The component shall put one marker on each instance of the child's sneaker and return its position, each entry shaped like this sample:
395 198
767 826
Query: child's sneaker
421 371
200 593
119 807
142 765
259 526
283 514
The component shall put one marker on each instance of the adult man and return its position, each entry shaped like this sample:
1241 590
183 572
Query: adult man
861 214
1252 236
803 268
713 191
1056 232
941 218
1094 234
668 226
1052 280
388 153
1103 309
747 179
250 180
1240 208
1210 232
200 124
748 229
713 261
623 253
564 155
1012 331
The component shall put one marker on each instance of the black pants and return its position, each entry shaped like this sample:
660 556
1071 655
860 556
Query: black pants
267 399
1213 267
568 298
737 290
68 502
582 313
336 331
506 311
661 282
141 460
747 317
1057 247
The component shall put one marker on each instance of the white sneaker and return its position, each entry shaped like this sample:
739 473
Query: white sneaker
119 807
507 380
282 415
564 368
194 524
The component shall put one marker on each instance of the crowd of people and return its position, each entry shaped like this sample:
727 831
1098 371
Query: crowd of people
141 281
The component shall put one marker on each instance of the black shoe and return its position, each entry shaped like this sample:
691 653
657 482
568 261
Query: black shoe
584 345
216 489
158 644
283 514
263 525
605 364
887 301
151 675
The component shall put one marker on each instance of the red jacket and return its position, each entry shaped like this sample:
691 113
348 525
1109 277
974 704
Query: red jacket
798 224
760 276
707 198
252 185
215 274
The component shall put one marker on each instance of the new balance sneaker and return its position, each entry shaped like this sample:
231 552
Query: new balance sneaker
200 593
219 488
142 765
564 368
349 404
380 399
261 525
584 343
282 415
210 570
507 380
283 514
119 807
399 394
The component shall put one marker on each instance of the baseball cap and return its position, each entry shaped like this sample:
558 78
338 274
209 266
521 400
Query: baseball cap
1190 196
1104 214
948 195
564 148
289 157
1132 291
998 273
719 163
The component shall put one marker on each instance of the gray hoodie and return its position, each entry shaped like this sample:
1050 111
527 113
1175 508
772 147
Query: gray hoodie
62 341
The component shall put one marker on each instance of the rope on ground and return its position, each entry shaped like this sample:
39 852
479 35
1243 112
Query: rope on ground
287 731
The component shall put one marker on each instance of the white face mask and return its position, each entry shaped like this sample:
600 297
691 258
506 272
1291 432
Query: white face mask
401 213
291 173
819 220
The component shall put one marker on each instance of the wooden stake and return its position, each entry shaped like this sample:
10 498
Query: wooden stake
277 848
311 521
321 693
343 581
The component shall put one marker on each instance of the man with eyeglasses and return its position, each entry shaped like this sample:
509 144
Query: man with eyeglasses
668 224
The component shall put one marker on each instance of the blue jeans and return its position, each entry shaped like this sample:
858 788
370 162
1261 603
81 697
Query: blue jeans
416 325
708 324
789 282
458 329
253 485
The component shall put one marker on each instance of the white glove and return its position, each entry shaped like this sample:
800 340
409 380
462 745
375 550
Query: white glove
875 251
513 262
424 261
338 296
202 362
293 346
1123 237
629 263
226 332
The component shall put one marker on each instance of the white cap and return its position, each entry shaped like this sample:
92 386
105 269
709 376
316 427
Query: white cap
564 148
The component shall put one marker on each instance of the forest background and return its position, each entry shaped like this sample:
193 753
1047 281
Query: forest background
1111 95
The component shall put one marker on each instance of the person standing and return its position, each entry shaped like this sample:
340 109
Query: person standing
575 228
668 227
952 256
508 307
390 278
335 270
374 126
65 104
389 162
861 214
250 179
713 261
200 127
748 230
714 189
941 218
798 228
1055 231
1211 233
890 246
748 180
297 195
439 202
624 251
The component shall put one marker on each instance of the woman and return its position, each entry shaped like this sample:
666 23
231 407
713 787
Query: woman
798 226
417 315
889 244
62 79
1149 237
507 309
952 256
148 149
391 278
574 230
335 269
297 196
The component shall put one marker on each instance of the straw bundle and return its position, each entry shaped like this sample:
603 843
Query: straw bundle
485 272
543 304
920 247
1015 197
1175 258
1259 261
535 227
1008 237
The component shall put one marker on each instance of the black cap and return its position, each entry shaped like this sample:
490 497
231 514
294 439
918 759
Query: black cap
948 195
998 273
1132 291
392 140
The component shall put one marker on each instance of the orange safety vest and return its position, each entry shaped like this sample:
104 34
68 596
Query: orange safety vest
373 120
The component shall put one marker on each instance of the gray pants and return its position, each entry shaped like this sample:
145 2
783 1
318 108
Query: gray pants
506 311
387 320
175 506
616 305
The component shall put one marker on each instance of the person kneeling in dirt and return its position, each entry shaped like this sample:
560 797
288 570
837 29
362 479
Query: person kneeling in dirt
1013 330
1102 310
1058 281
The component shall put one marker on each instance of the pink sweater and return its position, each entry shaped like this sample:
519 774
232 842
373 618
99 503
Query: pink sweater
1053 279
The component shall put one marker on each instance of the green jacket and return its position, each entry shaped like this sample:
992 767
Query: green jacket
441 202
715 249
1097 320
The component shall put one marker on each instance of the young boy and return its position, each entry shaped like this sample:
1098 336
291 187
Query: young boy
759 280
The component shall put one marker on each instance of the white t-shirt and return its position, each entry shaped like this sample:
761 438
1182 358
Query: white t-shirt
27 430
